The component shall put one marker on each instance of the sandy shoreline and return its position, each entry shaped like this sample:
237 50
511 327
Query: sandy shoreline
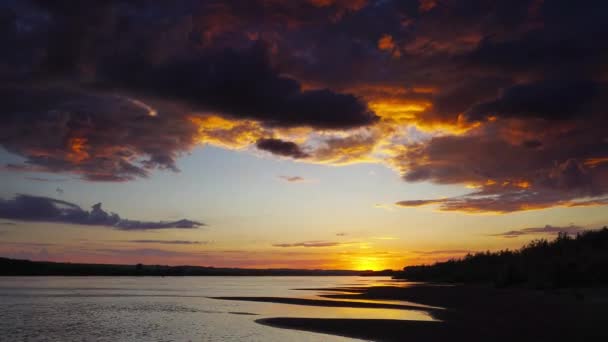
472 313
366 329
326 303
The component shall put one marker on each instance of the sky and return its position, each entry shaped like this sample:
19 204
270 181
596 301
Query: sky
334 134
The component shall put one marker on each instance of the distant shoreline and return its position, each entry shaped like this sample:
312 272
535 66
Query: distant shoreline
17 267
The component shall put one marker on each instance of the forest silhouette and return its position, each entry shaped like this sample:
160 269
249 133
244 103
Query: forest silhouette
567 261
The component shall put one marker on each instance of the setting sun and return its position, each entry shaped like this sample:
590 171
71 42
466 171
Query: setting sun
289 156
368 263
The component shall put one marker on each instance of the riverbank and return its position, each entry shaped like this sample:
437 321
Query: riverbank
472 313
17 267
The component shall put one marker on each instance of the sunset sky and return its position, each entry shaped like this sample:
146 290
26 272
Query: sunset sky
353 134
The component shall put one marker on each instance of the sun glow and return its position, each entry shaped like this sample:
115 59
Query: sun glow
368 263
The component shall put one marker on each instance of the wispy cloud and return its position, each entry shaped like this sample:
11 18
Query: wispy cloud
143 252
388 207
546 230
28 244
293 179
170 242
45 209
309 244
418 203
42 179
385 238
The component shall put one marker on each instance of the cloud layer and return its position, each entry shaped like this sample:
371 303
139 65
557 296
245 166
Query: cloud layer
44 209
281 148
507 97
292 179
171 242
546 230
309 244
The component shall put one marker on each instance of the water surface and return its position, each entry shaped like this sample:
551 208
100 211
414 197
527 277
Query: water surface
168 309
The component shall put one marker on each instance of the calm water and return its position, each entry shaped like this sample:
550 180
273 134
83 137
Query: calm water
166 309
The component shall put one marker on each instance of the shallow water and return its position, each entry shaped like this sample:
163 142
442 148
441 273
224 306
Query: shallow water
168 309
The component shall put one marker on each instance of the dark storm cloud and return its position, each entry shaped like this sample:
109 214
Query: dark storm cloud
561 38
459 97
532 143
513 92
281 148
242 84
549 99
44 209
546 230
110 46
77 76
567 170
100 137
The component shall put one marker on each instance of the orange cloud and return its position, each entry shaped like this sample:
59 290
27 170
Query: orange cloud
398 110
352 5
386 43
472 204
227 133
354 148
78 152
427 5
594 162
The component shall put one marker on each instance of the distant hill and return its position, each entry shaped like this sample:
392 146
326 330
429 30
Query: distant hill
14 267
580 261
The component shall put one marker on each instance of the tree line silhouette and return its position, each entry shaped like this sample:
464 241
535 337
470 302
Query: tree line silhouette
16 267
579 261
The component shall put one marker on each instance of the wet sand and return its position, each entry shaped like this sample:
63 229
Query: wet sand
472 313
326 303
366 329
